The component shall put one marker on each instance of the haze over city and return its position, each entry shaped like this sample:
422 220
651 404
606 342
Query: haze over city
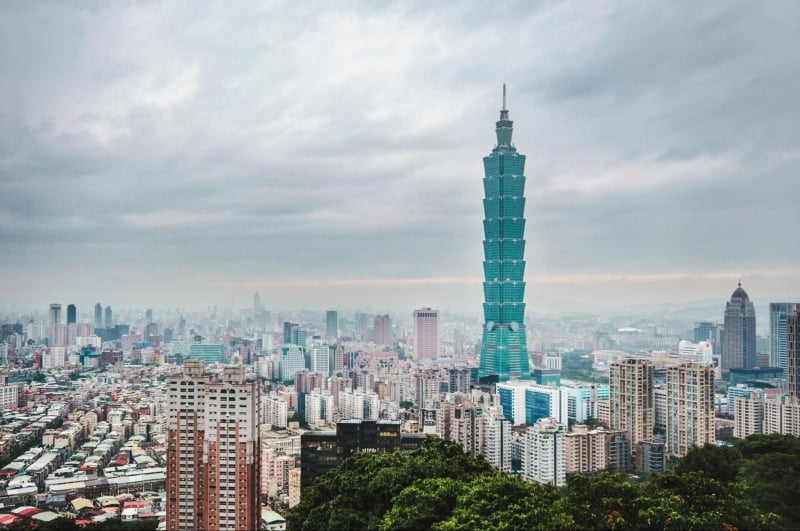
192 154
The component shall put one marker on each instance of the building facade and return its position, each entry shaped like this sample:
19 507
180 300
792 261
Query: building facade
213 450
544 460
739 333
331 324
690 407
779 313
504 350
426 333
382 329
793 354
631 398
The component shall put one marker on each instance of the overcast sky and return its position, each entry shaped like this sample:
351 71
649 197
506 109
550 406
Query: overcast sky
329 154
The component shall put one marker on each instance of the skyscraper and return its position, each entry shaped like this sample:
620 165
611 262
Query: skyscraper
148 316
331 323
544 459
213 450
72 314
98 315
690 407
779 312
382 329
504 351
426 333
793 353
739 334
55 320
631 395
257 306
109 317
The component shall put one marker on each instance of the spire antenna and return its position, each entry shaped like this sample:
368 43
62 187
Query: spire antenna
505 107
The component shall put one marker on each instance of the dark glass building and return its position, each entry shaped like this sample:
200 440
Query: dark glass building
504 350
739 333
320 451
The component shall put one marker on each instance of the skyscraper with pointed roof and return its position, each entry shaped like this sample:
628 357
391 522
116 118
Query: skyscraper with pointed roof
504 350
739 334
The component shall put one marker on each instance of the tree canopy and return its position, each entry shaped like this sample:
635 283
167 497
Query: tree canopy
440 487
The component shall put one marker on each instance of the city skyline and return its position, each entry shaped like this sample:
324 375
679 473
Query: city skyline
327 156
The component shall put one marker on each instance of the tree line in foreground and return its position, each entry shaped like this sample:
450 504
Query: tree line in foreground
754 484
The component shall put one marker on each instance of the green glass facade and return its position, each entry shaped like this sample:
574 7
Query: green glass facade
504 350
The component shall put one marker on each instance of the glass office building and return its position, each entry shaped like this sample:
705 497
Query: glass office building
504 351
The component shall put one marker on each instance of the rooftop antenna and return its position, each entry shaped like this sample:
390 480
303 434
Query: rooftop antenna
505 107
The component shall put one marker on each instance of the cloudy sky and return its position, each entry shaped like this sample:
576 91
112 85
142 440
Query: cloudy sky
329 154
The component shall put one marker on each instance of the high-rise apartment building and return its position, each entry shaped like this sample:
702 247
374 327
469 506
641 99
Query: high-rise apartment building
213 452
72 314
690 407
504 351
427 381
778 315
382 329
631 398
545 459
793 354
426 334
739 333
321 357
749 417
459 378
331 324
586 450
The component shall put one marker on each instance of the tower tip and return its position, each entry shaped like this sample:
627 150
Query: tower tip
505 106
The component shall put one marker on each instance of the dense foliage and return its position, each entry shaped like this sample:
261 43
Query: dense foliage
749 486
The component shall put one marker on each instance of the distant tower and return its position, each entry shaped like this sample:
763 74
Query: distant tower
426 333
258 308
382 327
148 316
779 313
504 350
98 315
739 334
331 324
109 317
55 320
72 314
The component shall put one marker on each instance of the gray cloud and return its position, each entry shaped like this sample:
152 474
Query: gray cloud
189 152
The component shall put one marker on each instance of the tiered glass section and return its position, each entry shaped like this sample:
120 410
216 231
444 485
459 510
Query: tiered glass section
504 350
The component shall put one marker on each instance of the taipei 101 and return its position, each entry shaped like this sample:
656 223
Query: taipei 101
350 266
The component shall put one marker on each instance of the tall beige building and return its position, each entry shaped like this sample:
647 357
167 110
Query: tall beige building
690 407
586 450
213 453
631 398
749 416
